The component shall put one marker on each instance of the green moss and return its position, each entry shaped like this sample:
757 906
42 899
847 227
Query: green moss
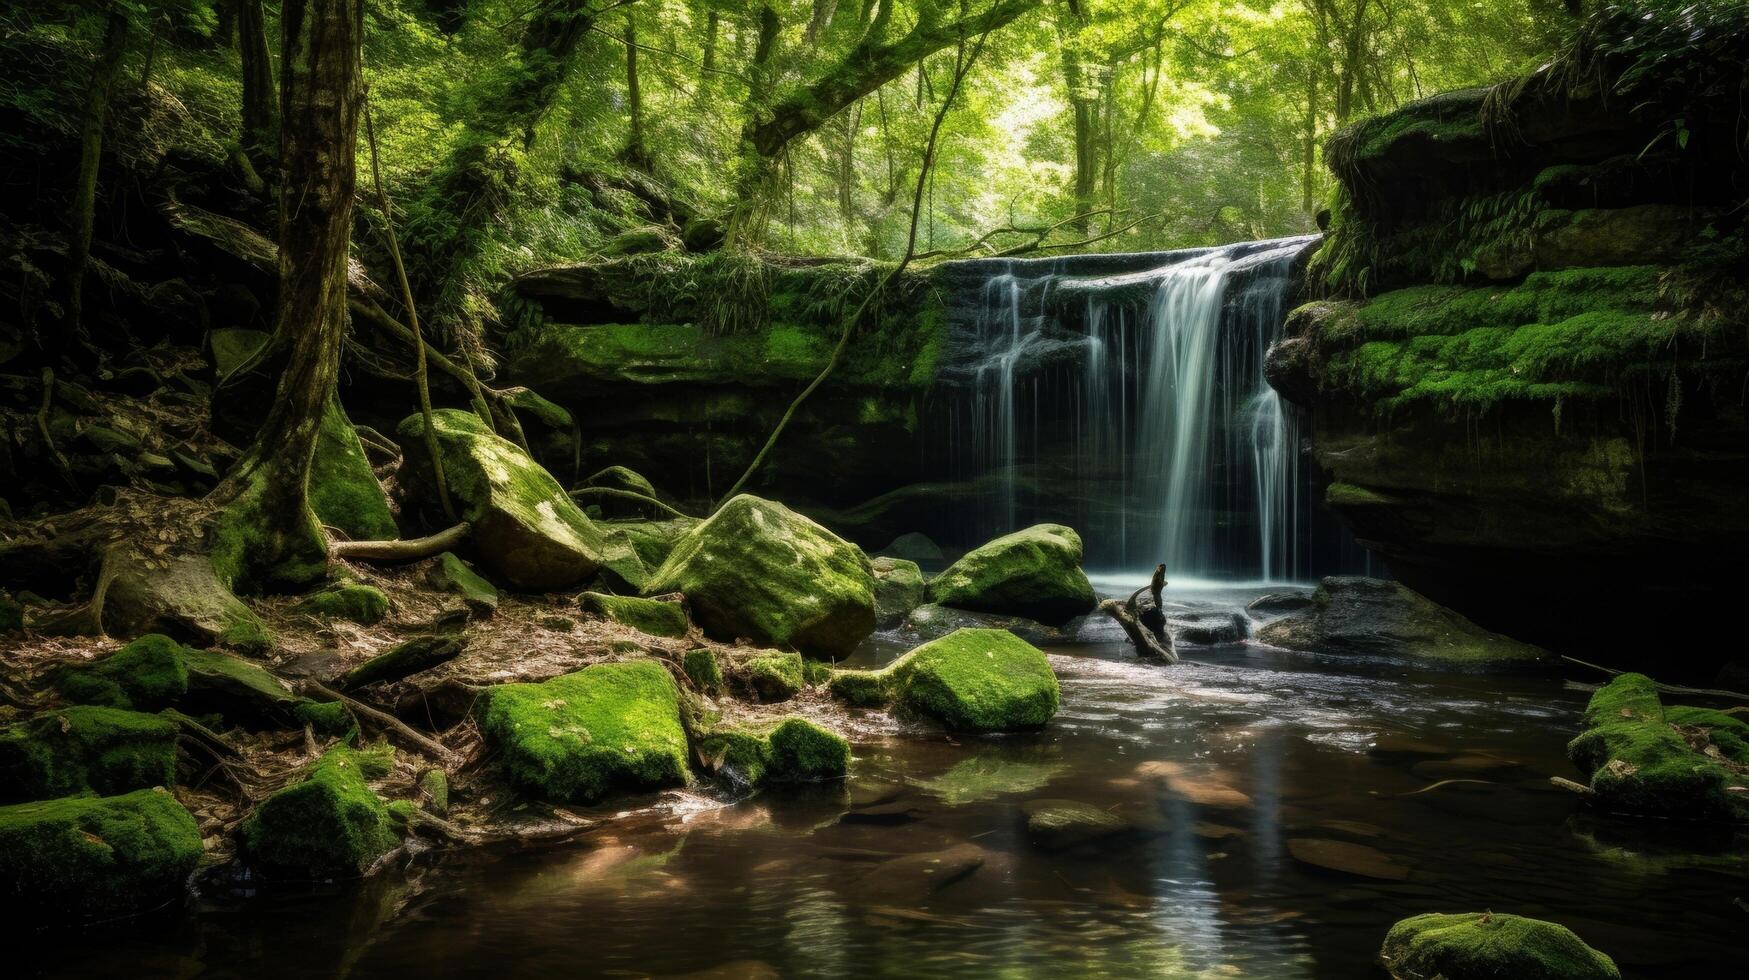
453 575
434 788
1349 495
329 825
645 615
147 674
1730 733
981 680
793 750
702 668
1639 763
899 588
1035 572
1483 946
363 604
579 737
86 749
86 858
325 717
775 675
653 540
344 492
815 672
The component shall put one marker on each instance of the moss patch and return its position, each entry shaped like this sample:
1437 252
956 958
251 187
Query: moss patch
1034 573
353 601
645 615
86 749
702 669
1646 760
979 680
147 674
793 750
84 858
329 825
579 737
451 574
1484 945
344 492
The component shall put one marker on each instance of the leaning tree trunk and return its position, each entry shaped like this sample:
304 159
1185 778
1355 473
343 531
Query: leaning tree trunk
84 218
267 535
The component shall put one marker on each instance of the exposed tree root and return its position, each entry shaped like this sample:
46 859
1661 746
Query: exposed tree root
633 495
393 725
408 550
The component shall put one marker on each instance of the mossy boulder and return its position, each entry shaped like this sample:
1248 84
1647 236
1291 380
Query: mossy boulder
352 601
1372 617
652 616
85 749
898 589
769 676
654 541
1035 573
526 528
344 492
702 668
1644 759
757 569
186 599
329 825
84 858
451 574
1486 945
156 672
580 737
794 750
978 680
626 480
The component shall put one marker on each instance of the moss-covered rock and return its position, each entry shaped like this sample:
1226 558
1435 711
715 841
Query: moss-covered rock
156 672
627 480
1644 759
85 858
329 825
577 738
186 599
757 569
526 528
1486 946
451 574
354 601
1371 617
404 659
702 668
1034 573
977 680
651 616
344 492
899 588
326 717
654 541
793 750
85 749
769 675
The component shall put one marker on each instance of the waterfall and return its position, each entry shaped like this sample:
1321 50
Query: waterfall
1125 396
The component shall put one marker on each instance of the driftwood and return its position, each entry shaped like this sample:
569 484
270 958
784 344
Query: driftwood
409 550
1145 628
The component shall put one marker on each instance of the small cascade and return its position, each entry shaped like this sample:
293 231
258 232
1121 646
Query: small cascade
1125 396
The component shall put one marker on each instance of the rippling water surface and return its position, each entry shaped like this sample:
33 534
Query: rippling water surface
1280 812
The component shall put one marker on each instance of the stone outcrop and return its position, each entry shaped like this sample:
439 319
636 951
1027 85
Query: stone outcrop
1374 618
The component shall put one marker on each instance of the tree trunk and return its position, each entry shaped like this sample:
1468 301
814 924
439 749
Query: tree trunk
260 120
267 535
821 19
1309 146
84 217
1083 103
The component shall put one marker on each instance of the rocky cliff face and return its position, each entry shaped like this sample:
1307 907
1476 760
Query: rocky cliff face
1529 383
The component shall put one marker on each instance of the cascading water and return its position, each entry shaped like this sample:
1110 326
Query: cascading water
1125 395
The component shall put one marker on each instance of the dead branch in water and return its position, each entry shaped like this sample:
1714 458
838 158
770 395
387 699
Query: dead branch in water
1140 636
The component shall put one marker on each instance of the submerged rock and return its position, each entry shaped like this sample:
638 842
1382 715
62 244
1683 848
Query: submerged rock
329 825
577 738
1057 825
1034 573
1371 617
1485 945
789 751
977 680
451 574
911 879
1347 857
526 528
1644 759
898 589
757 569
85 749
83 858
651 616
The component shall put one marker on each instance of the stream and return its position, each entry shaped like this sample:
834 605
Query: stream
1223 769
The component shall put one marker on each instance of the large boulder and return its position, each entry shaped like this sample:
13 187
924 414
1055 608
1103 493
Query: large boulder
898 589
329 825
526 528
579 737
85 857
1035 573
1372 617
85 749
978 680
1486 945
1645 759
757 569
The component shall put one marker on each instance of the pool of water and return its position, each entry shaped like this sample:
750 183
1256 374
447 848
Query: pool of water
1281 811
